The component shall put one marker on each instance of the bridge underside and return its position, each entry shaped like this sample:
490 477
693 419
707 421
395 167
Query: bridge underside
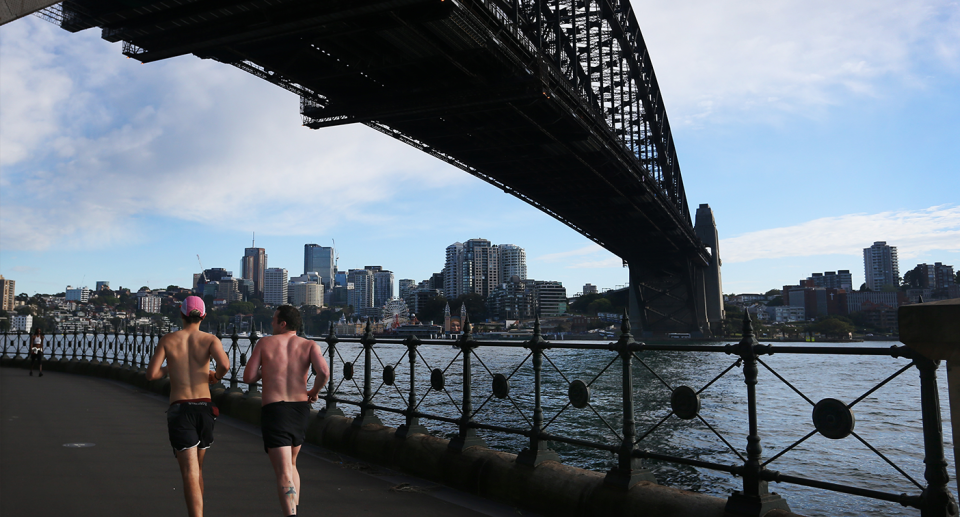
464 82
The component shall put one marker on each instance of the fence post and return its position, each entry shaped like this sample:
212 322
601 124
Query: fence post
936 499
17 351
755 500
629 470
234 348
330 400
539 450
254 337
412 426
467 435
367 415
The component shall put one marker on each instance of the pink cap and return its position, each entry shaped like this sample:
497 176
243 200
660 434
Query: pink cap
193 306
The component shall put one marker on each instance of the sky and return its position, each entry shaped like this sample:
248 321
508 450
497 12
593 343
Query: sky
812 128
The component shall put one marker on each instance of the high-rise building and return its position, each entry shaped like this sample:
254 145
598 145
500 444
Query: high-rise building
102 284
21 322
319 259
382 285
471 267
8 294
513 261
361 296
275 280
148 302
254 266
589 289
406 285
305 293
551 297
880 266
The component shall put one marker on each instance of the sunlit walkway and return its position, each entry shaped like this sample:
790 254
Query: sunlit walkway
130 469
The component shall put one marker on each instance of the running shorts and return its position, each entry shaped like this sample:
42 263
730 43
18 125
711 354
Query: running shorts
284 424
190 424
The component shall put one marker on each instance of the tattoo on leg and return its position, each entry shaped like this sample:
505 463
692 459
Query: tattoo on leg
290 491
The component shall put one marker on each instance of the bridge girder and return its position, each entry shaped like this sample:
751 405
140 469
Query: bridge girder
564 91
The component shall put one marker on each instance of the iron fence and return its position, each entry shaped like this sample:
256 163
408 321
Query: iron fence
399 376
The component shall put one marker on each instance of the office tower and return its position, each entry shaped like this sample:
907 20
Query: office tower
8 290
551 297
305 293
589 289
80 294
880 266
319 259
513 262
471 267
382 285
275 286
406 285
254 265
361 296
102 284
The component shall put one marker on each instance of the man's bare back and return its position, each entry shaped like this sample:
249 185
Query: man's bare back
188 353
282 363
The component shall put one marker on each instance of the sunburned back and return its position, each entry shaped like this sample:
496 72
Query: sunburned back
284 367
188 363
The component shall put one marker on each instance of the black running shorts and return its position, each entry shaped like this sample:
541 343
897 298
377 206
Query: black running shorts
284 424
190 424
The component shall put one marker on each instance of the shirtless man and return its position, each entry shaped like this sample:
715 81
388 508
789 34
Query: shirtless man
283 362
192 413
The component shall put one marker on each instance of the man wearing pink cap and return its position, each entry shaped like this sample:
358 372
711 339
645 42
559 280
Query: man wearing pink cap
192 413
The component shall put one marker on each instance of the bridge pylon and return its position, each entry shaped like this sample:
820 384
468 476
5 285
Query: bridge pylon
680 294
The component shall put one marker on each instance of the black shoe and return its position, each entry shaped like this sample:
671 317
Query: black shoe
41 374
31 373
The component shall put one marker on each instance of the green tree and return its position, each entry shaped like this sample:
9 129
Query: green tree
432 310
600 305
832 326
773 292
913 278
777 301
476 306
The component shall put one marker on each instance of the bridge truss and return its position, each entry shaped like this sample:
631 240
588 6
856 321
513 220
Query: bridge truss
553 101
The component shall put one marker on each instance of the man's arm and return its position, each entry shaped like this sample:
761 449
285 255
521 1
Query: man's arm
218 355
323 372
251 372
154 370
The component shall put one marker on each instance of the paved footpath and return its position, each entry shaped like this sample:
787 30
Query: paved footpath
130 470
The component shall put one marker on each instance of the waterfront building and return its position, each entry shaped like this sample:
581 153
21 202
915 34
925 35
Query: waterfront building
785 314
8 293
551 297
880 266
253 267
513 299
856 301
275 280
320 259
589 289
80 294
21 322
102 285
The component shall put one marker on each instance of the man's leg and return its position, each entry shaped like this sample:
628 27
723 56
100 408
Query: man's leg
281 459
189 460
294 451
200 455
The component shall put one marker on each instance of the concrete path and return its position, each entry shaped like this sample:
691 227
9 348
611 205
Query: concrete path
128 467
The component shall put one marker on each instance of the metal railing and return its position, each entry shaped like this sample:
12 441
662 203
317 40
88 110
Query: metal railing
831 418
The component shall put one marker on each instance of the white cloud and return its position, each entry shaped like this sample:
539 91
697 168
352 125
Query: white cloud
556 257
91 142
913 232
725 58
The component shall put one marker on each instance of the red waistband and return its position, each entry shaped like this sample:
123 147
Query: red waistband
183 401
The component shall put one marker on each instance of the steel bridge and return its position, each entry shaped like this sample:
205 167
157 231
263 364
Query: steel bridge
553 101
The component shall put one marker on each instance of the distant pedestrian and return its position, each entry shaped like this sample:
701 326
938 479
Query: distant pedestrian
36 350
192 414
283 362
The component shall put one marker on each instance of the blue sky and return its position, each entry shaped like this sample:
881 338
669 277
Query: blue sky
812 129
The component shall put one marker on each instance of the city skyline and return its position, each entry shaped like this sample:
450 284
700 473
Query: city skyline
811 132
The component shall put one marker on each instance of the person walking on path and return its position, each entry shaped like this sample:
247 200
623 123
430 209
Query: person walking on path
283 362
36 350
192 414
